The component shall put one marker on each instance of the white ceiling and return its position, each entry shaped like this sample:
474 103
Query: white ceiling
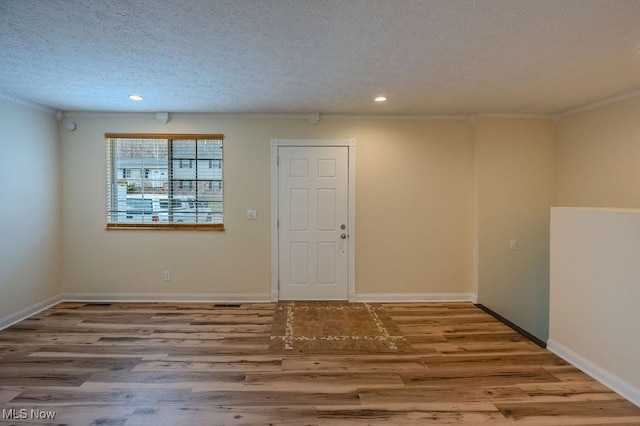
319 56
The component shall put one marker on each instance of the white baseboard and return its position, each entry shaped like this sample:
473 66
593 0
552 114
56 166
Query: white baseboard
415 297
166 297
25 313
605 377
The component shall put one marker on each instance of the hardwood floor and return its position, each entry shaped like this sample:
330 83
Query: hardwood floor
204 364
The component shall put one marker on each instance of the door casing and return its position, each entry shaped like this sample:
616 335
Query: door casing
351 225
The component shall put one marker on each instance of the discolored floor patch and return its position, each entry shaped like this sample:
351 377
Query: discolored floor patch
316 327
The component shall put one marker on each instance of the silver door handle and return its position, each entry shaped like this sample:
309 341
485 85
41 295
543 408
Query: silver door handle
343 236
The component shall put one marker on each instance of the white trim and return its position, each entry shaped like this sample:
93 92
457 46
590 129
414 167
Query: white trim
30 311
351 241
415 297
26 102
306 117
600 103
274 222
429 117
266 116
166 297
276 116
188 115
395 117
312 142
351 225
475 210
108 114
515 116
605 377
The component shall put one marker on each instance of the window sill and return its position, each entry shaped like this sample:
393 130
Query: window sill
166 227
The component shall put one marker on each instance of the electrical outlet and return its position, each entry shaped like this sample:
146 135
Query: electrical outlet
513 244
167 275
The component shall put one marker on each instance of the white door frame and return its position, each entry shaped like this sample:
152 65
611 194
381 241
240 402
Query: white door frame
351 225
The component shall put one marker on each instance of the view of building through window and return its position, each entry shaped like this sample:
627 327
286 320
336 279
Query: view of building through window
160 181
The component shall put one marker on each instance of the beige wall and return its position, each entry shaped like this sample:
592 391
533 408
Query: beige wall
416 183
598 157
413 209
594 252
414 219
515 171
595 271
29 208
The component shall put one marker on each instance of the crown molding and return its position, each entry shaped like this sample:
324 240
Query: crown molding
265 116
395 116
27 103
471 118
249 115
190 115
308 117
107 114
600 103
419 117
515 116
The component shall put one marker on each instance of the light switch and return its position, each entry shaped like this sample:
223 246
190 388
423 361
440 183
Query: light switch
251 215
513 244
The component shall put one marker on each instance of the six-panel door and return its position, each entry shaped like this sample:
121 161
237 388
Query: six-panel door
313 213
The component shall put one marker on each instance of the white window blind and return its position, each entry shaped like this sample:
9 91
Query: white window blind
165 181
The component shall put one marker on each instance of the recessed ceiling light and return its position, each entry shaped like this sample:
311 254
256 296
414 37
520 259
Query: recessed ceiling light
380 99
135 97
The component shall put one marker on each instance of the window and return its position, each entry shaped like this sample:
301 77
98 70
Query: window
186 164
215 184
164 181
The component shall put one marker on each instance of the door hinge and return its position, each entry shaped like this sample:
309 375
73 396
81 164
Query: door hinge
277 161
278 226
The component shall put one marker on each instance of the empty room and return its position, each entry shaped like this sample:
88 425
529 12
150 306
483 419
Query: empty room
314 212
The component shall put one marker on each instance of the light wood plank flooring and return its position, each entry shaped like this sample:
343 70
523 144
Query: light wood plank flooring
204 364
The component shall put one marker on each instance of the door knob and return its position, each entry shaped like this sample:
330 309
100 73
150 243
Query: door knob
343 236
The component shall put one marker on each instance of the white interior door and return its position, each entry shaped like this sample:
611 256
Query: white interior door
313 184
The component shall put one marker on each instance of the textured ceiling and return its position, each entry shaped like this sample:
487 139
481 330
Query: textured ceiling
319 56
